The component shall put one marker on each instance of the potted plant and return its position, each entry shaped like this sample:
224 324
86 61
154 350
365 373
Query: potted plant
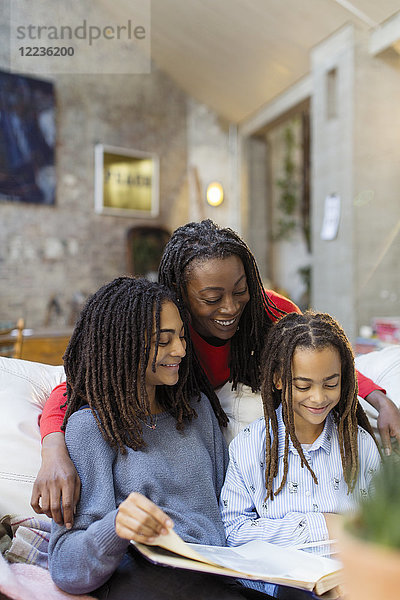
370 541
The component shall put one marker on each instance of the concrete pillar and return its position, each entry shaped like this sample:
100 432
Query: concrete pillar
332 138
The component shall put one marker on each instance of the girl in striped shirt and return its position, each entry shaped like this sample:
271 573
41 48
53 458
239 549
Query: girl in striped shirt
293 472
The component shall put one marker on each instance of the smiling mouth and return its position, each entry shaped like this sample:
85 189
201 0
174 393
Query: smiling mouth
225 323
171 366
317 410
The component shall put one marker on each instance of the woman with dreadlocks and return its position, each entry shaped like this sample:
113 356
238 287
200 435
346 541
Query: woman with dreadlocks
314 453
216 279
147 446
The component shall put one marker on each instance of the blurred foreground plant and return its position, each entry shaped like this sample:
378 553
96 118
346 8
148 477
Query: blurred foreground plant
378 517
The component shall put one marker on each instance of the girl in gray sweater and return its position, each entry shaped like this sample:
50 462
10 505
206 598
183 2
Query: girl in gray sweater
147 447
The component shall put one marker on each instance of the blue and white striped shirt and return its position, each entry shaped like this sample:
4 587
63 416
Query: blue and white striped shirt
295 516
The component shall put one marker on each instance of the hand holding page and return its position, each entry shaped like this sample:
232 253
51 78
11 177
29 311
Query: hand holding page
174 543
256 560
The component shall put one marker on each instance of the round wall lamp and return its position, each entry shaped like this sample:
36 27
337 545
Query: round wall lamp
215 194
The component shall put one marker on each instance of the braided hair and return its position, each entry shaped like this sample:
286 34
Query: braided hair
314 331
196 243
107 356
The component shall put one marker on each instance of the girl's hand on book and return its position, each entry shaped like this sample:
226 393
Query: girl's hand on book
139 519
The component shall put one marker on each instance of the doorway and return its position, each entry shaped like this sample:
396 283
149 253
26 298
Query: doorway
145 246
279 224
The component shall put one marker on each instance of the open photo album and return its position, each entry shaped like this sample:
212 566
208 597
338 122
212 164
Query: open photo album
256 560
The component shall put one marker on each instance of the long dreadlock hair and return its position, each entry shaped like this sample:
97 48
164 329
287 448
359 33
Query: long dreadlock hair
314 331
196 243
107 356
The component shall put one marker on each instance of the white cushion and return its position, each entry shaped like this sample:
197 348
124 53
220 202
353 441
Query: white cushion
242 406
383 367
24 388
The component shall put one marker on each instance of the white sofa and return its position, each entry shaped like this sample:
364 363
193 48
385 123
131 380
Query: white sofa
25 387
383 367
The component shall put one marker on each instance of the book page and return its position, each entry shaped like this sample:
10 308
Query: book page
174 543
256 559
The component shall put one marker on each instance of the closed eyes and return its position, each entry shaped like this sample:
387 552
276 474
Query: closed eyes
216 300
329 386
164 342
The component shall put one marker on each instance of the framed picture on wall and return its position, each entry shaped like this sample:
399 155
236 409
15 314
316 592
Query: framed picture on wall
27 140
126 182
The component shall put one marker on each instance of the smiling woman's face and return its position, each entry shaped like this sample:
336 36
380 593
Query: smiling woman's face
216 295
171 348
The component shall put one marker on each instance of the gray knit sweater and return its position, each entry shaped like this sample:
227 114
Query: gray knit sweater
181 472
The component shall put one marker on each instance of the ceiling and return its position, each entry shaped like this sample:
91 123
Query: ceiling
236 55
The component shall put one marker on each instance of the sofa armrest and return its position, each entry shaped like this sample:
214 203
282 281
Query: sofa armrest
24 389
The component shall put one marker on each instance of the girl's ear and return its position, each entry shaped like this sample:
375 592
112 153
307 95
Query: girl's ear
277 381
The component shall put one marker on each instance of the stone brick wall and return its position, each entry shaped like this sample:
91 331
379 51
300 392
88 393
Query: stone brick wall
53 252
50 255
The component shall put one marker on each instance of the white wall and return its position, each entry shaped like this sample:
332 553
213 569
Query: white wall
377 184
332 150
211 157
